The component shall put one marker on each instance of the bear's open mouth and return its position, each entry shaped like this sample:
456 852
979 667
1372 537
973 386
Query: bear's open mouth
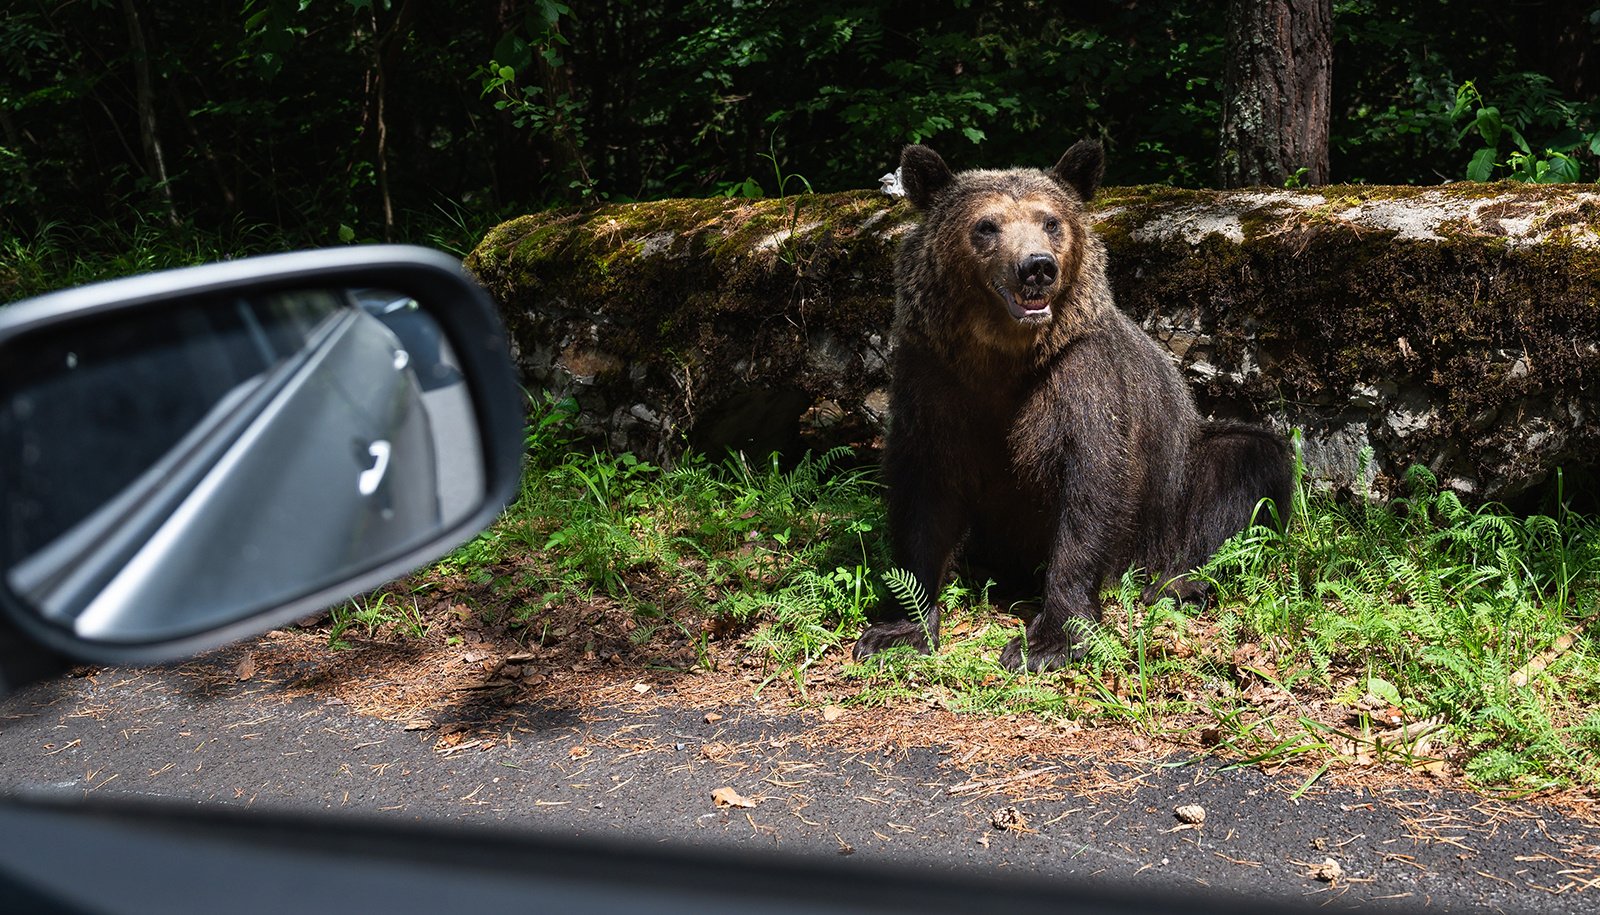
1029 305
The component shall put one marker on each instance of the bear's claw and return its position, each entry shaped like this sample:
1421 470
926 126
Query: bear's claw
1182 589
889 635
1041 658
1048 647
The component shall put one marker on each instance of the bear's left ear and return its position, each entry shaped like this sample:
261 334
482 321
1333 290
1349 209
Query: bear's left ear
923 174
1081 168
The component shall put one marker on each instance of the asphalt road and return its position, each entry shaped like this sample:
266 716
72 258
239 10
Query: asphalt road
563 768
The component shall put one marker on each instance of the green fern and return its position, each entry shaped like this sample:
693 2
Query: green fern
909 594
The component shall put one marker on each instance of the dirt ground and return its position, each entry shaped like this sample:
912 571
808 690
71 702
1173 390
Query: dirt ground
463 678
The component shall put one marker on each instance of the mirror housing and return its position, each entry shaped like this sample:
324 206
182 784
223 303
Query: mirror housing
196 456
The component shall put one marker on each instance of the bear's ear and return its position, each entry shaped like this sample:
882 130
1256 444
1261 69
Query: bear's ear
923 174
1081 168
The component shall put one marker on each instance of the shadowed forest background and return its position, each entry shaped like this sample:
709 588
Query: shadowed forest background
331 120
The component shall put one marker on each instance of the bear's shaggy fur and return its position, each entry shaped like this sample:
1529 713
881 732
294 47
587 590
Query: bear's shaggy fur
1033 421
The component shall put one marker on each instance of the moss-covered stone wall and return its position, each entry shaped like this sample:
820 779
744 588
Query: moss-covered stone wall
1456 327
716 322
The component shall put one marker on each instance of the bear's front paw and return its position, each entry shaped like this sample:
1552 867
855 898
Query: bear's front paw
1045 650
889 635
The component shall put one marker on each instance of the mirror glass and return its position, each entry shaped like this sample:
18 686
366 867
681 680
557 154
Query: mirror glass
179 466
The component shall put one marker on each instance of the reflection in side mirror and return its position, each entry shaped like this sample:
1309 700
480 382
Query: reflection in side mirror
173 469
159 458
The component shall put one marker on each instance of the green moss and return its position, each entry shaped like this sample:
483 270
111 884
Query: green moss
1329 303
1332 304
1144 195
730 281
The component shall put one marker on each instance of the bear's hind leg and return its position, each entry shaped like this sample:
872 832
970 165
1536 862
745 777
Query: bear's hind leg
894 633
1231 468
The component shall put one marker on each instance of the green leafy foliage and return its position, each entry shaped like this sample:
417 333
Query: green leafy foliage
1324 643
538 109
58 256
369 614
1570 130
779 551
1438 605
308 116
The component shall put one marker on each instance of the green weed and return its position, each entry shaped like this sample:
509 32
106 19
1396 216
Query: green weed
1530 102
370 613
1436 610
778 550
58 256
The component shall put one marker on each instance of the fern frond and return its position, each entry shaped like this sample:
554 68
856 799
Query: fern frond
908 592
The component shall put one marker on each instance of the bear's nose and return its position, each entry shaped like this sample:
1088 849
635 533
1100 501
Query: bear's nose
1037 270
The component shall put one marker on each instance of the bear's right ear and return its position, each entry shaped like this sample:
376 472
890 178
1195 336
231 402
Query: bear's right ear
923 174
1081 168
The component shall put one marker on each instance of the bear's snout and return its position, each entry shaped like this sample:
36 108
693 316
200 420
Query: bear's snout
1037 270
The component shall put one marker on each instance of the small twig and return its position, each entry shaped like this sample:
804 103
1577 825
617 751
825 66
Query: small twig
1543 659
979 784
1240 861
1406 859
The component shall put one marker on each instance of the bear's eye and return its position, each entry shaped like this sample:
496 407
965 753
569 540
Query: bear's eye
1052 225
988 227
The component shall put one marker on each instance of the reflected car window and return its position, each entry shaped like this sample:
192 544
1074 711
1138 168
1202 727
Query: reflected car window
129 391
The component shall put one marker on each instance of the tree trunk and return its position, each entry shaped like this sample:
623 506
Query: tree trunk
229 199
1276 87
387 46
144 91
1557 36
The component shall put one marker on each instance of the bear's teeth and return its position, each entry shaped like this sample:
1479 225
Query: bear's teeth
1030 307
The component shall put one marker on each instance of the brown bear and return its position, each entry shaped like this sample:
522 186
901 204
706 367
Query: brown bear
1031 420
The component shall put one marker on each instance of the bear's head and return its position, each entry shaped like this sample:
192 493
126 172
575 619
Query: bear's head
1019 233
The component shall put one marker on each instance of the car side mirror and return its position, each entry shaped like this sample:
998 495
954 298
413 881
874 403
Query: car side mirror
199 455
